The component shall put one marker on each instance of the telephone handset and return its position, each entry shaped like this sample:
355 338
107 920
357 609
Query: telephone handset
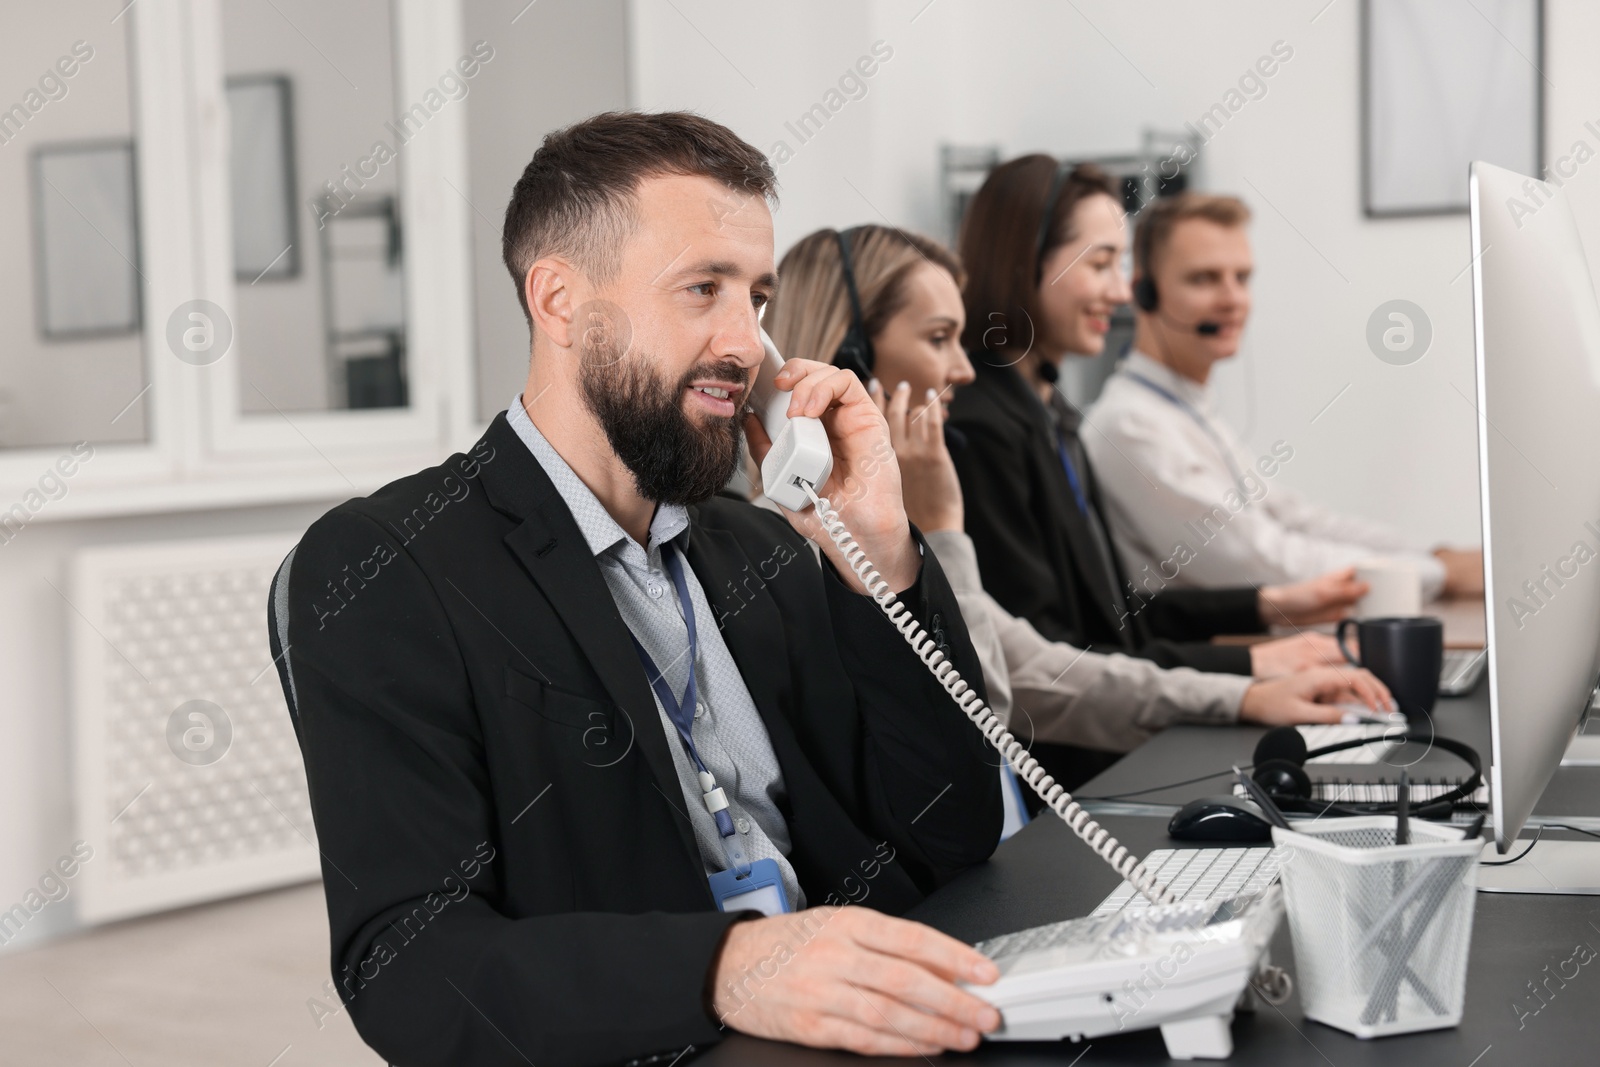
800 451
801 460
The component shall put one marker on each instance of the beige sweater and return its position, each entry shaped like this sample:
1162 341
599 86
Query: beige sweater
1049 691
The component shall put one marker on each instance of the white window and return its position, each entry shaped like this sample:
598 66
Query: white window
242 270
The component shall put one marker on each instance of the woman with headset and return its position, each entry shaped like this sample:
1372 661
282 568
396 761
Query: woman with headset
887 304
1044 244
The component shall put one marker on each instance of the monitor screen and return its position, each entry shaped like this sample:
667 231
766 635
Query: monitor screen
1537 330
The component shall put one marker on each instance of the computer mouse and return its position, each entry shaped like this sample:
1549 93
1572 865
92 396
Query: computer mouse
1220 818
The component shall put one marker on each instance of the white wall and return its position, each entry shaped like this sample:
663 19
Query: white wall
555 62
1030 75
59 390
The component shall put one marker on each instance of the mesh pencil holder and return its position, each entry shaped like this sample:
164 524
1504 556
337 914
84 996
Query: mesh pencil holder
1380 930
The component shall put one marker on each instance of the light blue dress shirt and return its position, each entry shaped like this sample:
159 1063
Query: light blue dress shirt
728 731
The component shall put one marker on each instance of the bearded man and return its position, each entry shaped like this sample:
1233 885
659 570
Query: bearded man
595 753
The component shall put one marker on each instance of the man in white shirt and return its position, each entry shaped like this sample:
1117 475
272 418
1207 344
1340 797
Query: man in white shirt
1188 504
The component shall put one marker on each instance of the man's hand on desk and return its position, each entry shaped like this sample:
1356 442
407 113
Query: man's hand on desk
1326 598
852 978
1313 695
1286 655
1463 571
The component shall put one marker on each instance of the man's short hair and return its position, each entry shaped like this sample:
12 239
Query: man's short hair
576 197
1158 220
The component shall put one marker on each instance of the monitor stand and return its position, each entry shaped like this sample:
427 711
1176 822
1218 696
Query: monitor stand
1564 868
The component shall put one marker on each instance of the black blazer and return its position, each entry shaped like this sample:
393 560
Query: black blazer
510 871
1037 553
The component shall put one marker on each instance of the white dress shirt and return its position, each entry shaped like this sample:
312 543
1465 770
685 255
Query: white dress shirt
1181 494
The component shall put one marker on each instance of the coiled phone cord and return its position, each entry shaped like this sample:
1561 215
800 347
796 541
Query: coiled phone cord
1027 768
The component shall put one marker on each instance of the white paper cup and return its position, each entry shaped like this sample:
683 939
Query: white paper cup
1395 589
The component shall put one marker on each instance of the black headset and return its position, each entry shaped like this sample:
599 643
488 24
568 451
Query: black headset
1048 371
1057 185
855 351
1281 755
1146 297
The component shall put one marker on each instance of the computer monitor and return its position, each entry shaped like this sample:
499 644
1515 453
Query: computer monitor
1537 329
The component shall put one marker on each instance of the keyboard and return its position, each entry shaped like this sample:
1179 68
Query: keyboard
1318 735
1459 674
1199 874
1461 670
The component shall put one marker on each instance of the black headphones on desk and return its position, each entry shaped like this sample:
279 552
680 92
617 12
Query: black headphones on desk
1279 768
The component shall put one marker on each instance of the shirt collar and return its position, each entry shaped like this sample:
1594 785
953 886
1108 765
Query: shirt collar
600 530
1186 389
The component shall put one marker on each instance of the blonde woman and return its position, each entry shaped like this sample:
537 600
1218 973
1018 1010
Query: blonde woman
907 345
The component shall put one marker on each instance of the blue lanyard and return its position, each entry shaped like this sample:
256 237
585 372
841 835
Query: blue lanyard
1072 475
1199 420
682 712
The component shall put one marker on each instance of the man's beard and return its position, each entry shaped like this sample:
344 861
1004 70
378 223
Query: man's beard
672 460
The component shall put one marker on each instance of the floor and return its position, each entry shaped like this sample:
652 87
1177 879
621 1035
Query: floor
235 984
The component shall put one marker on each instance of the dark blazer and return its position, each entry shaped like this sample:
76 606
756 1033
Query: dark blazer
510 871
1037 553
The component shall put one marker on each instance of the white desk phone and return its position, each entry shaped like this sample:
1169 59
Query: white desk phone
1182 966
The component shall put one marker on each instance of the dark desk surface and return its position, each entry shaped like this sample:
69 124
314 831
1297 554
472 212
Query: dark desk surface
1184 752
1044 875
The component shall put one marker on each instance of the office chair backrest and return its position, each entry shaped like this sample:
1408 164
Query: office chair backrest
278 635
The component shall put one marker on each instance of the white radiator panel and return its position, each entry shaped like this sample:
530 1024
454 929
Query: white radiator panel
189 781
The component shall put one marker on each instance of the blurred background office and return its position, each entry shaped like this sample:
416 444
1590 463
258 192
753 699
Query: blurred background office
250 266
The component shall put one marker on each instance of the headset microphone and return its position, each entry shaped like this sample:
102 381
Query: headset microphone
1146 298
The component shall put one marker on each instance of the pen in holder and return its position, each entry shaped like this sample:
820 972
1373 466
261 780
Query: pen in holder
1381 930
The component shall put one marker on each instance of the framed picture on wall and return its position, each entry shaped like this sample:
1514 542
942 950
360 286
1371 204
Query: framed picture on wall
85 211
1442 84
